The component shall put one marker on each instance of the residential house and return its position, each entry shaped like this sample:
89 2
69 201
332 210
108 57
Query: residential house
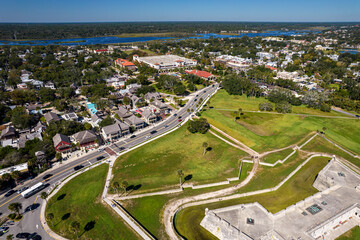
62 143
113 132
151 96
134 121
123 113
96 119
149 116
160 106
86 139
51 117
8 133
70 116
50 85
26 137
40 127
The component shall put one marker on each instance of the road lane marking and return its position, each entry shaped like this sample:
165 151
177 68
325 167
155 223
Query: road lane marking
9 200
36 199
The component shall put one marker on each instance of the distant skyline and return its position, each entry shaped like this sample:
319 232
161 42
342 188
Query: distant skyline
37 11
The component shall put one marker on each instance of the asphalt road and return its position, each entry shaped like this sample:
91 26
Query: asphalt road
31 220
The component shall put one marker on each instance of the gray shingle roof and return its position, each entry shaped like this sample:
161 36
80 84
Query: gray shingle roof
85 136
111 129
51 116
133 120
60 137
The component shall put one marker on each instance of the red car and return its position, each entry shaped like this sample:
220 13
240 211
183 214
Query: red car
179 120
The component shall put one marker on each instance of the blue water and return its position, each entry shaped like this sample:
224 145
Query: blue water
350 51
111 40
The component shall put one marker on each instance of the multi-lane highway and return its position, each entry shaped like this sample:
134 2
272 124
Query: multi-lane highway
31 221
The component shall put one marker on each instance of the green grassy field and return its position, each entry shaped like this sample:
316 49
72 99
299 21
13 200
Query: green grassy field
79 200
154 166
264 131
352 234
148 210
297 188
318 144
273 157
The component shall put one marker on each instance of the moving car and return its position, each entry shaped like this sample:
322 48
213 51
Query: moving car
22 189
99 158
179 120
78 167
9 193
132 136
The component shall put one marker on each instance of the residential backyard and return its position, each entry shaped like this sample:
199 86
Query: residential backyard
79 200
265 131
154 166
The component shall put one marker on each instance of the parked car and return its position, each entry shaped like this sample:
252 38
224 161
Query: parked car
23 235
9 193
22 189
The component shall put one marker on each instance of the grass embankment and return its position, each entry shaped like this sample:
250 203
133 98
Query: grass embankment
297 188
266 131
148 210
273 157
351 234
319 144
79 200
154 166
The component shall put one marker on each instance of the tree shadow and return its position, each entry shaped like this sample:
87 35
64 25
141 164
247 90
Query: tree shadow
132 188
188 177
65 216
90 225
61 197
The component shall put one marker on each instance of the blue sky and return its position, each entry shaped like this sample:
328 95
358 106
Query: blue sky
179 10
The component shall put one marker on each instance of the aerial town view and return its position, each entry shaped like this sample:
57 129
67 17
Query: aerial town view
180 120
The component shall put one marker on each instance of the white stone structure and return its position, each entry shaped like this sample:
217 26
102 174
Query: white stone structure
165 62
326 214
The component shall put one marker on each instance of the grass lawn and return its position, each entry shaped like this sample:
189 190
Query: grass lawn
263 131
318 144
273 157
79 200
154 166
297 188
148 210
351 234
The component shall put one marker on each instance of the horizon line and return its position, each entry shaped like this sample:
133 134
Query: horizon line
177 21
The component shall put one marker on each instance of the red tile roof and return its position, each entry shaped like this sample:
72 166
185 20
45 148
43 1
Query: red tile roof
101 50
271 68
199 73
123 62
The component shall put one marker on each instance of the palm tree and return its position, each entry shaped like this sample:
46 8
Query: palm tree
124 185
15 175
44 196
10 237
180 174
205 146
50 217
15 207
6 177
116 186
74 228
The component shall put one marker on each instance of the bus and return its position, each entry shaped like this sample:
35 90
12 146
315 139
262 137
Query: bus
34 189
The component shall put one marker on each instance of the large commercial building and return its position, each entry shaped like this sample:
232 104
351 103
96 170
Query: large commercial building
166 62
331 212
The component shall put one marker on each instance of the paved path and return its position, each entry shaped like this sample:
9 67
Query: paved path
249 150
172 207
